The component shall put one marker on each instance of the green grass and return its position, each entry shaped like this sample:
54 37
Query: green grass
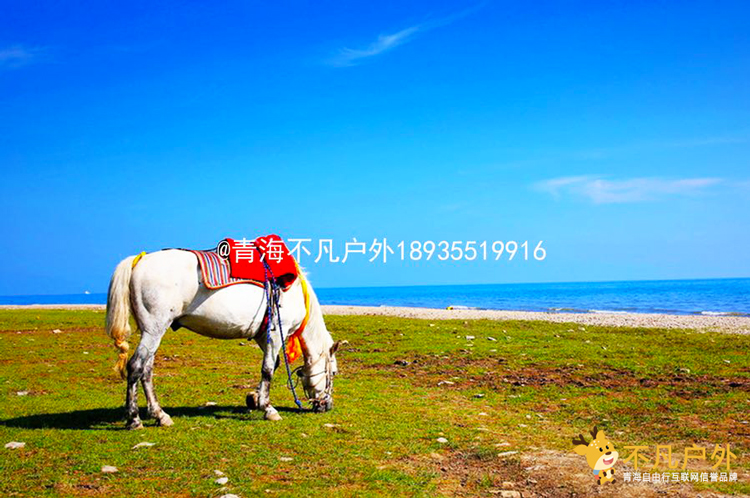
542 383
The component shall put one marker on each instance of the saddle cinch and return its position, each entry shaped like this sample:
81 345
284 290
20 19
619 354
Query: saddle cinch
258 262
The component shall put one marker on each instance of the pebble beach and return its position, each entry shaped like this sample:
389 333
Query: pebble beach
730 324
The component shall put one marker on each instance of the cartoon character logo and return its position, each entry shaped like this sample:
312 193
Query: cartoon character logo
600 455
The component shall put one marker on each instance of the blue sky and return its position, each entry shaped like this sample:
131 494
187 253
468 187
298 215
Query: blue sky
617 132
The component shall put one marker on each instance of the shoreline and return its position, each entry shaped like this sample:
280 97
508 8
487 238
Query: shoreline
731 324
69 307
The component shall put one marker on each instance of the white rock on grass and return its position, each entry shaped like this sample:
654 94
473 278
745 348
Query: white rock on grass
506 454
14 445
218 472
109 469
22 393
222 480
441 440
144 444
286 459
56 331
229 496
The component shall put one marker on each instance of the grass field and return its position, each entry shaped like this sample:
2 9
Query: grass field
520 390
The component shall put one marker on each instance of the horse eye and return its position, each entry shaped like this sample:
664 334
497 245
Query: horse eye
607 446
601 450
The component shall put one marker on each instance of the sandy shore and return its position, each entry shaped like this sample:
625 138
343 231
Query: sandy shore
733 324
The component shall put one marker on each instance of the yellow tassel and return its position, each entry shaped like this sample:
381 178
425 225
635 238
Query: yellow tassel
294 342
138 258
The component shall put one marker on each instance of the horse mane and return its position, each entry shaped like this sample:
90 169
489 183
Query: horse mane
316 331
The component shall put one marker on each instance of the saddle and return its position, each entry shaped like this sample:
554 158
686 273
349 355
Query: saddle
248 262
258 262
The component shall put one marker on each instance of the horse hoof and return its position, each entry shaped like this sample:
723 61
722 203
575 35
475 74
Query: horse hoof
134 425
165 421
252 400
272 414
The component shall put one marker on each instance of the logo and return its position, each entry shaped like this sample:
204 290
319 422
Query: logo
600 454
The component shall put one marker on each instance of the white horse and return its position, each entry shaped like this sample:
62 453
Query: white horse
164 289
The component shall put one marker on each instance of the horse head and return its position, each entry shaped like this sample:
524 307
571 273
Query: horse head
317 378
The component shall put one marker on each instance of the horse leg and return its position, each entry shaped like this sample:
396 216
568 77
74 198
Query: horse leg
253 398
135 370
140 368
154 410
270 362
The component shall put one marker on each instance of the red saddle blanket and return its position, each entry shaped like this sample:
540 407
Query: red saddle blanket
241 262
246 259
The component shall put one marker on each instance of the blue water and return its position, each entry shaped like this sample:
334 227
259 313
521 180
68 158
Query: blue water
721 296
681 297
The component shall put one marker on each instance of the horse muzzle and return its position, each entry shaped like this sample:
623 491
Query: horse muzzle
321 406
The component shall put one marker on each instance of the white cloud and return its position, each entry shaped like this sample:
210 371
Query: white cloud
351 57
18 55
386 42
602 191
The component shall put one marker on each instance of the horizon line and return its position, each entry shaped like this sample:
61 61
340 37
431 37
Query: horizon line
445 285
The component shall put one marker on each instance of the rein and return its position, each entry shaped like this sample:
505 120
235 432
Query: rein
273 291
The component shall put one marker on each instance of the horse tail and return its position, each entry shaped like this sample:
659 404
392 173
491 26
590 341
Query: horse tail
118 310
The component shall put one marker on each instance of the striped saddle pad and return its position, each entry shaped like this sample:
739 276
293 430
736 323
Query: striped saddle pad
216 271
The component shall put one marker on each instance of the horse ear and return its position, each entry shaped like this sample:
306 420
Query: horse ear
336 346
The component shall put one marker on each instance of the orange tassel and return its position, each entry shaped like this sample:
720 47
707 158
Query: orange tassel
293 347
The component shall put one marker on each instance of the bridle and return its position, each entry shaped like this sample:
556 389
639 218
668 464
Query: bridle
327 392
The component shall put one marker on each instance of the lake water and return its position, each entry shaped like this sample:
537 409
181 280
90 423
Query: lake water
682 297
